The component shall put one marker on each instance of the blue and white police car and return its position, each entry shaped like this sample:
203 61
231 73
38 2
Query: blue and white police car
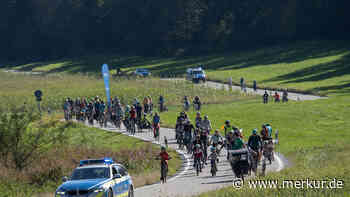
97 178
196 75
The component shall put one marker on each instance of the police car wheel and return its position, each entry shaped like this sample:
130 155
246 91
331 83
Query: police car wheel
110 193
131 192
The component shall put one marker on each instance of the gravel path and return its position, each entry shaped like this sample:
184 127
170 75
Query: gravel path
291 95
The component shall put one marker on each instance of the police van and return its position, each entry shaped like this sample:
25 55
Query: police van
97 178
195 74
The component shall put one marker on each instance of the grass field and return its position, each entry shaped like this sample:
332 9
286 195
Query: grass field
313 66
58 87
314 135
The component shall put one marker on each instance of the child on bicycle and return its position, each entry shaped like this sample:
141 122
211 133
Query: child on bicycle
198 154
164 157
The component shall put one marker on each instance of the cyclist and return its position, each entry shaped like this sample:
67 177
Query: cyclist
215 140
116 100
213 157
197 156
156 126
132 118
255 148
126 120
206 124
150 102
238 142
119 111
138 109
198 141
198 120
269 130
127 112
264 133
227 128
203 147
146 105
144 123
66 108
197 103
161 103
186 103
164 156
135 102
254 141
188 131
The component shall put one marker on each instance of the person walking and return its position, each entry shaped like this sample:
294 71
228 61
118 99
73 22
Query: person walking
241 83
277 97
254 86
265 97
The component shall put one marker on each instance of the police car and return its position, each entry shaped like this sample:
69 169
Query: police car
196 74
97 178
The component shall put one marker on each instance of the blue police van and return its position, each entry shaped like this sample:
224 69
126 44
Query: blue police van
97 178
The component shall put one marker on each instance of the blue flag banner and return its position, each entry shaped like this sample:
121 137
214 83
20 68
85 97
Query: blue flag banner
105 74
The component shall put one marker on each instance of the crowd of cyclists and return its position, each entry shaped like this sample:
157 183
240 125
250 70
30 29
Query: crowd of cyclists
197 137
134 117
193 137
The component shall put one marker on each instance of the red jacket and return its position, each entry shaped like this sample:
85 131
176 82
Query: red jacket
164 156
133 113
197 154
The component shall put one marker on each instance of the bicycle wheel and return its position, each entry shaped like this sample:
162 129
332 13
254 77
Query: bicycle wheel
197 166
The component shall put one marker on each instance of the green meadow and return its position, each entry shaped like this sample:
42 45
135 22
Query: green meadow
314 135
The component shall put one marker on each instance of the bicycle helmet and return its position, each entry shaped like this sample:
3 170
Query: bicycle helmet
198 146
205 117
212 149
254 131
198 113
163 148
227 122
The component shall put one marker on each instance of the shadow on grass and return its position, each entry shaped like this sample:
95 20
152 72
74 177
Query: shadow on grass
175 66
320 72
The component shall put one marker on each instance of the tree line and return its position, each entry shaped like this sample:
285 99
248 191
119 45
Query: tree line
47 29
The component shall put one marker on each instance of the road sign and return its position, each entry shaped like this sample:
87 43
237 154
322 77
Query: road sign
38 94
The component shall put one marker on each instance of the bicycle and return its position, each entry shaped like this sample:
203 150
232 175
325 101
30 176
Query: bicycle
156 128
132 126
163 170
213 168
198 165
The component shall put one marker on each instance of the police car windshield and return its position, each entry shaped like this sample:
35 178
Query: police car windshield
90 173
197 72
141 70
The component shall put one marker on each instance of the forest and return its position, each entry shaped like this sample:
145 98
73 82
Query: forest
50 29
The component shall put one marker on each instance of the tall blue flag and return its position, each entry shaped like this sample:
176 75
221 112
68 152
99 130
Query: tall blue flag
105 74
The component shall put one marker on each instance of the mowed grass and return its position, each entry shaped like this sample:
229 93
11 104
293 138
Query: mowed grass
319 67
19 88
